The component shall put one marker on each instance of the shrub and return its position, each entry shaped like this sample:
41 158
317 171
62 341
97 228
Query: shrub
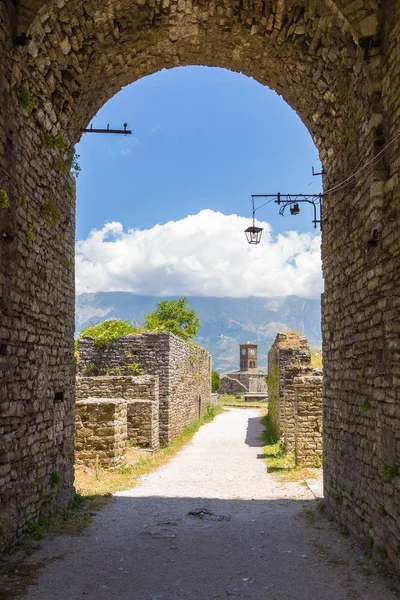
26 98
51 213
215 381
133 368
55 478
4 199
107 331
390 472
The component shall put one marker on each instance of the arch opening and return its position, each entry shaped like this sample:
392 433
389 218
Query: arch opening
342 88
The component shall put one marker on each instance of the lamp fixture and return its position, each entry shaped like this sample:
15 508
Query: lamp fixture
295 209
253 233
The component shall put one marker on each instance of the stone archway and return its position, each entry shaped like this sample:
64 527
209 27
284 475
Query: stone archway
335 64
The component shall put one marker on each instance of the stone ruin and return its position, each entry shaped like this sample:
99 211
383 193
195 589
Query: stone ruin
249 381
337 64
150 409
295 398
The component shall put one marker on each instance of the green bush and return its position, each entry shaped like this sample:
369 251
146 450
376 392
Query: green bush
35 530
107 331
134 368
215 381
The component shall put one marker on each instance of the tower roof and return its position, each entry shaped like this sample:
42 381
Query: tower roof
248 344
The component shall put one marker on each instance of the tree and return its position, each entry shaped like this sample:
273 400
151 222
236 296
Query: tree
174 316
215 381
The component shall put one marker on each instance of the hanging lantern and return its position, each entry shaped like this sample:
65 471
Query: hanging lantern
253 234
295 209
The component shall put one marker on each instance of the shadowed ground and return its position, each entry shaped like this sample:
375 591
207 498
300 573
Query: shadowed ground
250 536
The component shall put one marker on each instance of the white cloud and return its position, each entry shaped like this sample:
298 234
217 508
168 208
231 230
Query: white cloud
201 255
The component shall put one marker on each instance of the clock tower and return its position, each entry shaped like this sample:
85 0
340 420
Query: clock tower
248 356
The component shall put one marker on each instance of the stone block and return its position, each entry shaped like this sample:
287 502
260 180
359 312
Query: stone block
101 432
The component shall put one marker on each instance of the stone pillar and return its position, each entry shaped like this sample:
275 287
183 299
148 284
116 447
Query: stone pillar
308 430
143 423
288 349
101 432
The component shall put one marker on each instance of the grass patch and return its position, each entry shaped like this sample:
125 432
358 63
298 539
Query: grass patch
102 482
230 400
80 512
316 359
278 461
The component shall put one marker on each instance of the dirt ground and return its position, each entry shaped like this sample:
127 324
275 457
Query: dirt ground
210 524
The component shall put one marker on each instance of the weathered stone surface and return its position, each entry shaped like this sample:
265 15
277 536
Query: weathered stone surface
342 76
239 382
295 398
101 432
142 395
183 372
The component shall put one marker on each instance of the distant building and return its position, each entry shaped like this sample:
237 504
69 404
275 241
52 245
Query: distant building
249 380
248 356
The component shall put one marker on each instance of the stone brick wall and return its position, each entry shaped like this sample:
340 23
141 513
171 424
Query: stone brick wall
337 64
190 391
295 398
240 382
101 431
231 385
141 393
288 349
183 372
308 435
143 425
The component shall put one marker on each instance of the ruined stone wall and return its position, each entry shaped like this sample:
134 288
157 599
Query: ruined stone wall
295 398
288 401
308 435
151 351
190 376
288 349
101 432
231 385
258 383
183 371
141 393
240 382
143 423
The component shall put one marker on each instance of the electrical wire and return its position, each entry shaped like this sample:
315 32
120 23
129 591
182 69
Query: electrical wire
265 204
346 181
340 185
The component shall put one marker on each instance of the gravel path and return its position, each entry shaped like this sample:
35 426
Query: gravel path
254 541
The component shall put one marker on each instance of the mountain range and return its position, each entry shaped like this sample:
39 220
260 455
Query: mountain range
225 322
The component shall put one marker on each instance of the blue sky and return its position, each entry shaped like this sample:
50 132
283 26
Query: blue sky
204 139
201 138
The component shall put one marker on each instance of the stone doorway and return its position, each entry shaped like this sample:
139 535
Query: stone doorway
337 65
